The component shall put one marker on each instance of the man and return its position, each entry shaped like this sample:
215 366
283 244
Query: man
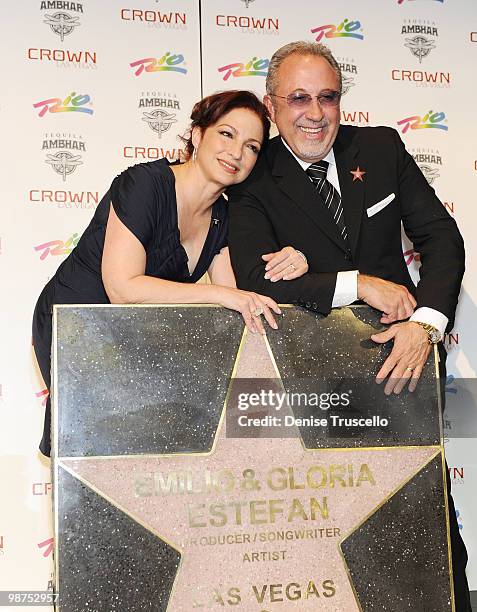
345 215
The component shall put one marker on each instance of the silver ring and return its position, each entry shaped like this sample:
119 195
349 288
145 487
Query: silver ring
409 369
292 267
258 311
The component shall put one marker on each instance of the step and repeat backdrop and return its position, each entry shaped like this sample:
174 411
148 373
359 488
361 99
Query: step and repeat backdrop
90 88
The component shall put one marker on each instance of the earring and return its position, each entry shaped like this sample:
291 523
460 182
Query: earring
194 154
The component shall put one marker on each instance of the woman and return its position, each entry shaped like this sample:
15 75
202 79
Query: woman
162 226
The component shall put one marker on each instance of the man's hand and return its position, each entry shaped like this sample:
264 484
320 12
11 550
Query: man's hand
394 301
286 264
406 360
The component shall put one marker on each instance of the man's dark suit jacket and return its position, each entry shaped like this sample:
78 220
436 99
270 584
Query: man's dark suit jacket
278 206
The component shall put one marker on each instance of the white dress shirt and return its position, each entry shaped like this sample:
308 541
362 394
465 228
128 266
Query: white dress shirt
346 289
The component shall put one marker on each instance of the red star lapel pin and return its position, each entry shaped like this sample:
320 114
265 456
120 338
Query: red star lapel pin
358 174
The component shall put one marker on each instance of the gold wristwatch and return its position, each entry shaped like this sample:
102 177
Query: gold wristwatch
434 336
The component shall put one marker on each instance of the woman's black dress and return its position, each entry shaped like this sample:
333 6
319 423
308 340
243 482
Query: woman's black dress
144 199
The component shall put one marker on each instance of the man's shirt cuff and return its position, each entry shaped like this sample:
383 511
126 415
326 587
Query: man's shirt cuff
431 317
346 290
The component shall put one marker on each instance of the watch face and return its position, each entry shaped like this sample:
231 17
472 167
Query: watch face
434 337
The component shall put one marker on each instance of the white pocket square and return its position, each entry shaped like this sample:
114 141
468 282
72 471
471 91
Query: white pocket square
375 208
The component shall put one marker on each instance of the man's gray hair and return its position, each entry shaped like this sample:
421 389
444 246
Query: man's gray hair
300 47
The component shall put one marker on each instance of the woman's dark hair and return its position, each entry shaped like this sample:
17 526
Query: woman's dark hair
209 110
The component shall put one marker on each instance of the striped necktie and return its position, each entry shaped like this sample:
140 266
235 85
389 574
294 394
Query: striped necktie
317 173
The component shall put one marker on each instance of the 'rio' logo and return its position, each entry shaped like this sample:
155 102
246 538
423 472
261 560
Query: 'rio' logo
71 104
459 519
430 120
255 67
57 247
346 29
47 546
450 380
410 256
401 1
166 63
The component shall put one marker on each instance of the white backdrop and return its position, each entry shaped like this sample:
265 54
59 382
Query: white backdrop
91 87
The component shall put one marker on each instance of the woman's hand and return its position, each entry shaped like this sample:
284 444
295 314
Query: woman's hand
250 305
286 264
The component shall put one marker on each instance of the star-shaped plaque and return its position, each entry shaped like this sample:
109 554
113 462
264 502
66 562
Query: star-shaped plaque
261 525
358 174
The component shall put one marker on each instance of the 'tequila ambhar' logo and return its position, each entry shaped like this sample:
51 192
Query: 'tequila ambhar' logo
159 120
349 71
63 162
159 104
420 37
61 24
429 162
420 46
